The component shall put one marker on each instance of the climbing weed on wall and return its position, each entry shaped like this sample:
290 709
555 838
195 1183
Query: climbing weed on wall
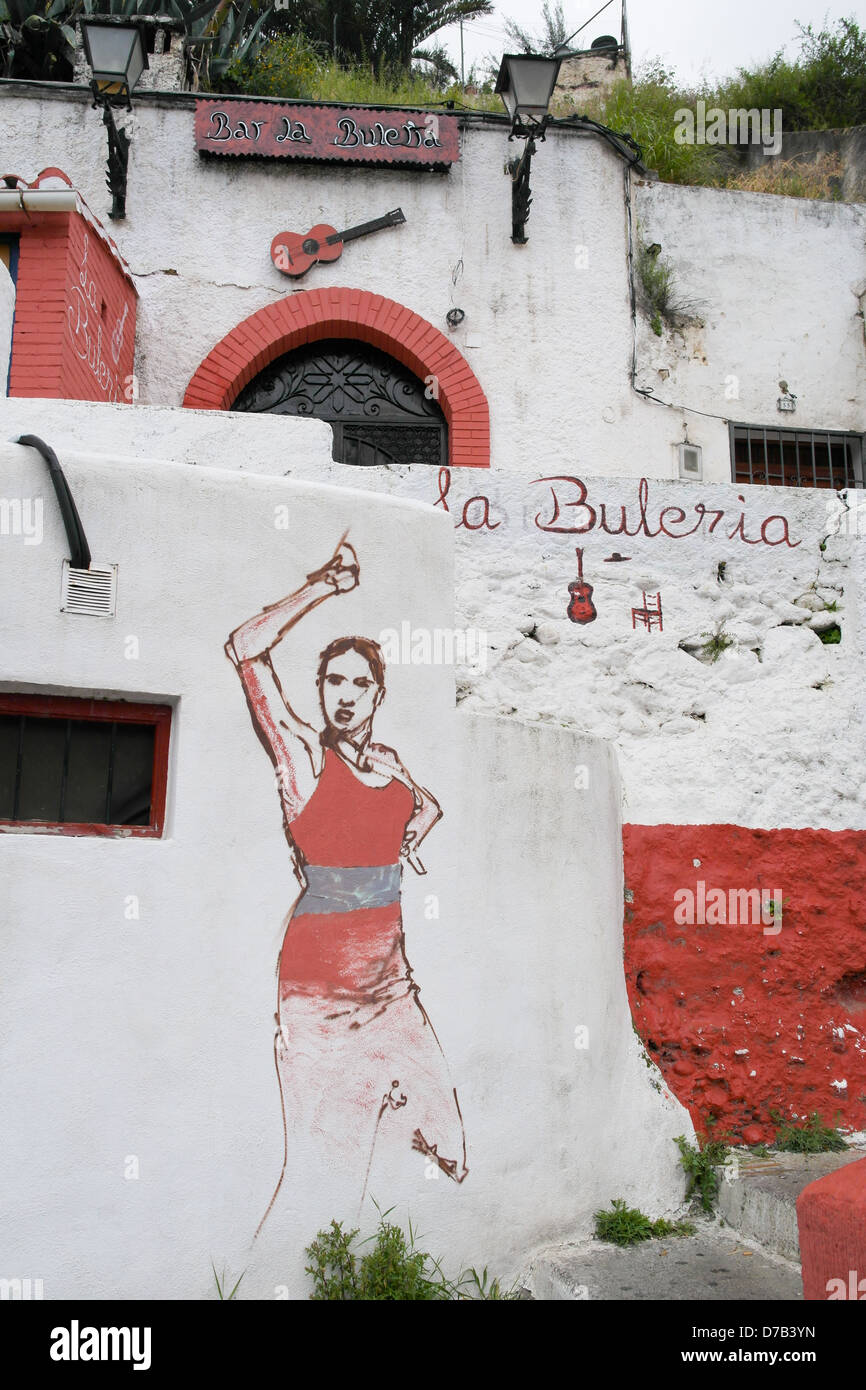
700 1166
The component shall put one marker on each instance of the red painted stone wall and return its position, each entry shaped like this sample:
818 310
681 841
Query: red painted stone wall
74 330
742 1022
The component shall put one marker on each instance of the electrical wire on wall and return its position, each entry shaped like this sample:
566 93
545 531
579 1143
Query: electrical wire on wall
457 270
79 550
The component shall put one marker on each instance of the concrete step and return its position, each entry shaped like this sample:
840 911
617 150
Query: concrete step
713 1265
758 1196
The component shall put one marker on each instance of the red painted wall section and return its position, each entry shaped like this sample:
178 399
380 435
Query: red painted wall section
39 331
75 309
744 1018
831 1215
100 326
343 313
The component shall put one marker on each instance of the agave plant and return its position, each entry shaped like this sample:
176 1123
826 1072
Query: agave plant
222 33
36 40
37 37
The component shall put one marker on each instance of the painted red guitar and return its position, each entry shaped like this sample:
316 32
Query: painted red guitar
293 253
581 609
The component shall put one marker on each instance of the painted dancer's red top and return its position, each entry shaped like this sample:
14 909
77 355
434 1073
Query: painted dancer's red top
347 824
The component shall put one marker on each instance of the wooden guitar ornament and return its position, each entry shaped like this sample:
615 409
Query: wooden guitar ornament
294 252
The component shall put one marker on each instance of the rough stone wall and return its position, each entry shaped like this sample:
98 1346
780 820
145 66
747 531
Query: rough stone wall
165 71
738 740
586 77
744 1019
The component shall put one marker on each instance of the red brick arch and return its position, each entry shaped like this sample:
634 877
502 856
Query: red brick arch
342 313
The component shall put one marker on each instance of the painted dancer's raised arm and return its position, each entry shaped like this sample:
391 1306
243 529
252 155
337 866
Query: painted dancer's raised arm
258 635
289 741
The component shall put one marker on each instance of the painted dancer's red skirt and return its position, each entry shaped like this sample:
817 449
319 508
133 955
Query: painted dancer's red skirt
358 1059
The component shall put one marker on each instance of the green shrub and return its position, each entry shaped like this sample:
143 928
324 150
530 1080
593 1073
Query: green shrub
823 89
294 68
627 1226
646 110
392 1271
716 644
811 1138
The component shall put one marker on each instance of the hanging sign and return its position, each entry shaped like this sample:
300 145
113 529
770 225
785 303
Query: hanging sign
359 135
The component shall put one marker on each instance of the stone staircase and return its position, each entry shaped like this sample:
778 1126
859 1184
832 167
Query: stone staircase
747 1251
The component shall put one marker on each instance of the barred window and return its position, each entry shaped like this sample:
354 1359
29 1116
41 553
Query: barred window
82 767
796 458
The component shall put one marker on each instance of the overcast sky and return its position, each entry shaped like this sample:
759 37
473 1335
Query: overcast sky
697 37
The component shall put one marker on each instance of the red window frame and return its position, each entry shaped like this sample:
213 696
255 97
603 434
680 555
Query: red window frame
101 711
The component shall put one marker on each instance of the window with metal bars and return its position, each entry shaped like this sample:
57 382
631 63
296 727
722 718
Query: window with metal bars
796 458
83 767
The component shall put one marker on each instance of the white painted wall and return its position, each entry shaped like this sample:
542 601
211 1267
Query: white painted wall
548 327
779 284
152 1037
7 313
775 745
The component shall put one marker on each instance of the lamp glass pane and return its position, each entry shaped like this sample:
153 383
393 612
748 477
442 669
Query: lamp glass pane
510 101
137 63
533 80
111 47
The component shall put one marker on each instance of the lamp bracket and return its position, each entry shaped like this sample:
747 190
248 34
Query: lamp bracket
521 194
118 162
531 130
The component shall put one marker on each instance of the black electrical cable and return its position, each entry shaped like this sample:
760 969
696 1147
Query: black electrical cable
623 144
79 550
614 138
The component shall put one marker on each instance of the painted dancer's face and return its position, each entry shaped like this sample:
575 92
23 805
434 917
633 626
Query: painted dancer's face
349 694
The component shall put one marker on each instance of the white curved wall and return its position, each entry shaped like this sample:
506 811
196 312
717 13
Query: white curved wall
148 1036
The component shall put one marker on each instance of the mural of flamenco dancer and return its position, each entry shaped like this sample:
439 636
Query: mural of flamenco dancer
357 1058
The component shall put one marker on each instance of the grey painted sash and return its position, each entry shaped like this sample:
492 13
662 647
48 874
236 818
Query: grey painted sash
347 890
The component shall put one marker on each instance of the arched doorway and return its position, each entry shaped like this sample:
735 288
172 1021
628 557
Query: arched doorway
309 316
379 411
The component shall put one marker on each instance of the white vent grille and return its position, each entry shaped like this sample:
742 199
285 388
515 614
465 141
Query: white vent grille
691 461
92 592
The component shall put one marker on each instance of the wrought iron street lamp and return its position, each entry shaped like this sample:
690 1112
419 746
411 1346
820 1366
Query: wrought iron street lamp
117 54
526 83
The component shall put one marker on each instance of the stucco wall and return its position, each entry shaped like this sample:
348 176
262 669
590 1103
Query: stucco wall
142 1124
548 328
778 285
754 751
